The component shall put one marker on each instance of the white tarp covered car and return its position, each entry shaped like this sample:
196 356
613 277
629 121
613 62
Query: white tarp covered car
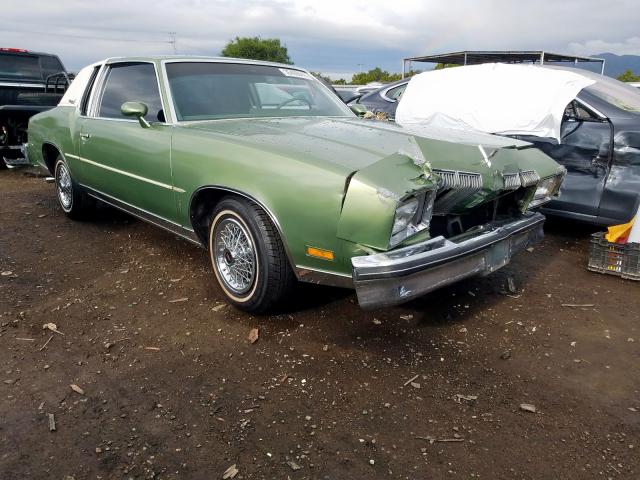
493 97
587 122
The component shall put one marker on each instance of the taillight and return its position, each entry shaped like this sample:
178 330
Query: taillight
15 50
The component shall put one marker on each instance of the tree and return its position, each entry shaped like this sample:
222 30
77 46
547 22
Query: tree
340 81
321 77
628 76
374 75
411 73
257 48
440 66
379 75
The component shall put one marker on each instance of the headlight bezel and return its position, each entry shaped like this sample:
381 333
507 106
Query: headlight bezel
546 189
413 220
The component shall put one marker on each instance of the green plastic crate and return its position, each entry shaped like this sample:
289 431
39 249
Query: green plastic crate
618 259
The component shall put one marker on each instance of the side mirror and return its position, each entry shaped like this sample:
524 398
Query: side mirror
137 110
358 109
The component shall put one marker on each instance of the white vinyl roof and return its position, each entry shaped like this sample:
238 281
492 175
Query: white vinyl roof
493 98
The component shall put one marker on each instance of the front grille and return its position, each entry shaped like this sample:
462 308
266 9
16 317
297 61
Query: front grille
454 188
529 177
506 206
448 178
511 181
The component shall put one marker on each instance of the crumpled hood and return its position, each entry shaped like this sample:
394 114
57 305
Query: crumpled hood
351 143
480 174
383 163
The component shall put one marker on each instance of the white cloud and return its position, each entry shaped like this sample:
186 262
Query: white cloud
630 46
327 35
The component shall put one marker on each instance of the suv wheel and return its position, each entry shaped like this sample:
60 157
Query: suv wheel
75 203
247 256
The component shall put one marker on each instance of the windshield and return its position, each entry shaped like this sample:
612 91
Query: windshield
617 93
211 90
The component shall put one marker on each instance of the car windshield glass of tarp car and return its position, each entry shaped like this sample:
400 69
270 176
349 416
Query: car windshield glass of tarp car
215 90
616 93
25 66
493 98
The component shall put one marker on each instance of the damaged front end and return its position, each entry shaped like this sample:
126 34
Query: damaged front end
425 226
397 276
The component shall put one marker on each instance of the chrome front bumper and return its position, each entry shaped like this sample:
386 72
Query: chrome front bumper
394 277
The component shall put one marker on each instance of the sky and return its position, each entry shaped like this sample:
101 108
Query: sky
336 38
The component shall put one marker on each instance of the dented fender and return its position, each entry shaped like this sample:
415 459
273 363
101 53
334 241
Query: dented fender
374 193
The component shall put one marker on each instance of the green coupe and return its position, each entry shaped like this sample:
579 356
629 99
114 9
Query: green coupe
265 167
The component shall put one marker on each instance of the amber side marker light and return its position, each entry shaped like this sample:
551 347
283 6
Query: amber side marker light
320 253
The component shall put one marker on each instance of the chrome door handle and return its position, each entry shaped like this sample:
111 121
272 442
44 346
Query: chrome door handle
85 136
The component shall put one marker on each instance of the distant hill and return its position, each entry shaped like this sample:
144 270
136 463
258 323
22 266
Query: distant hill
616 64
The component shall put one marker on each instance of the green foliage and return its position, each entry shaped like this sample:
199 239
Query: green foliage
340 81
374 75
378 75
257 48
628 76
441 66
321 77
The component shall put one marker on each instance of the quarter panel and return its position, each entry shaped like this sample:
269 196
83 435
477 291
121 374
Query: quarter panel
59 127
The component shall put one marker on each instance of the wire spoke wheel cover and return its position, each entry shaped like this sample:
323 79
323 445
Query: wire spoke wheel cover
234 255
64 186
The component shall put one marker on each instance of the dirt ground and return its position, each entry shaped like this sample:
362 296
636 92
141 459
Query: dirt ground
173 388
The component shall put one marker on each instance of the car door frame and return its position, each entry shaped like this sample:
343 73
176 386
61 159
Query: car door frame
594 217
92 113
608 165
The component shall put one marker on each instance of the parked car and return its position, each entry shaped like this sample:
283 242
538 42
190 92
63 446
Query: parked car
277 193
587 122
30 82
384 99
347 94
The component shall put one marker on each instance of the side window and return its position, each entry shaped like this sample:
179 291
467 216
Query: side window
395 93
131 82
585 138
576 111
50 65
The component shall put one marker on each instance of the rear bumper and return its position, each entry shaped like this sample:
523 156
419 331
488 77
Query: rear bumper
398 276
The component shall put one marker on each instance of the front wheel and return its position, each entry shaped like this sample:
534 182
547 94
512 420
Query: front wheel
248 257
75 203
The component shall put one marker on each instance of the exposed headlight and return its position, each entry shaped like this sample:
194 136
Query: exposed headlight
547 188
412 215
404 214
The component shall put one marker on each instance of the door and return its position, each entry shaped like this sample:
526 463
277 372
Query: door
585 151
121 159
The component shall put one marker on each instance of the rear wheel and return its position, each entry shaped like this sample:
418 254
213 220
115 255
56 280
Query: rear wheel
75 203
247 256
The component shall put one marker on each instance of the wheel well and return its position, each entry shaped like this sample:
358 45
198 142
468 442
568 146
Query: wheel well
202 204
49 155
205 199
